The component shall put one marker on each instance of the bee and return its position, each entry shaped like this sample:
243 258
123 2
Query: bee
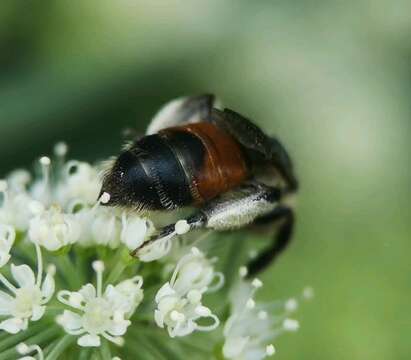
216 161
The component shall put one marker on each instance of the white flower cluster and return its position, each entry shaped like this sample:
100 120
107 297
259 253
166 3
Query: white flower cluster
28 300
100 314
179 301
60 209
251 326
55 223
54 211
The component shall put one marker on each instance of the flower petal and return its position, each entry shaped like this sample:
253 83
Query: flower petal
5 302
47 288
13 325
183 329
234 346
156 250
70 320
88 292
89 340
7 236
119 328
4 258
117 300
38 312
23 275
159 318
165 290
134 232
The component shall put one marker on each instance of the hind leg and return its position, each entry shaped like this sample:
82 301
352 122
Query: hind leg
281 239
233 210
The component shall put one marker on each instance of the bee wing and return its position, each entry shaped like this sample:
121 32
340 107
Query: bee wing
181 111
257 142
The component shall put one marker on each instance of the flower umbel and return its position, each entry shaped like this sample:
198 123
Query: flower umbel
27 301
179 301
54 221
53 229
100 314
252 326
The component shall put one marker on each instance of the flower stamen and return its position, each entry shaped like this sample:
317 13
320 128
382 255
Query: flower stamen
98 267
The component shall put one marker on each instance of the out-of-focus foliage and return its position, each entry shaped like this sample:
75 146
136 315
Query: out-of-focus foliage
331 78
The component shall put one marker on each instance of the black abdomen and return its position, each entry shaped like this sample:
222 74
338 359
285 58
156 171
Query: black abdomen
162 158
177 167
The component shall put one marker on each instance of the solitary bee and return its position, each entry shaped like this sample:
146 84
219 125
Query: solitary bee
214 160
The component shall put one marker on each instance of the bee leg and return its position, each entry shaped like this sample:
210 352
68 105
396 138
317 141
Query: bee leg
235 209
181 227
281 240
232 210
182 110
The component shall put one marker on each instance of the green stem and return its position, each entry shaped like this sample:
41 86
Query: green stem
69 271
12 340
40 338
84 354
233 260
115 273
192 342
167 348
105 350
81 265
120 264
62 345
139 350
153 349
50 346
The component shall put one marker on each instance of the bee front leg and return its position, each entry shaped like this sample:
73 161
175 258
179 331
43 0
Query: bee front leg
233 210
167 233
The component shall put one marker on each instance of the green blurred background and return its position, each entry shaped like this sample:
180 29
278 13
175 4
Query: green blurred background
331 78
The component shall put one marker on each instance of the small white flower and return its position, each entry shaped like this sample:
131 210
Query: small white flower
250 327
28 300
195 271
134 231
14 209
80 181
7 237
179 303
161 247
156 249
100 314
18 180
99 225
106 227
54 229
131 292
24 349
